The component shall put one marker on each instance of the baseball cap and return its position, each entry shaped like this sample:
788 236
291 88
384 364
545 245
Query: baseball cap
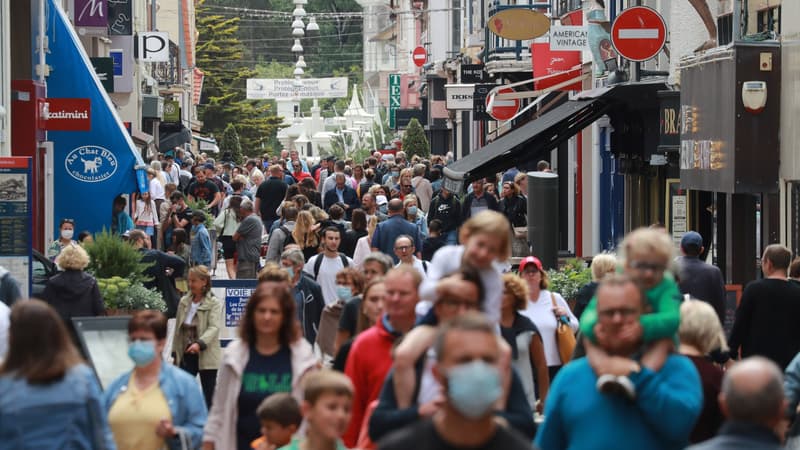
381 200
208 166
330 158
692 238
530 260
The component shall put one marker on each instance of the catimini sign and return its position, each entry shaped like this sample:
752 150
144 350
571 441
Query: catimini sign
91 163
66 114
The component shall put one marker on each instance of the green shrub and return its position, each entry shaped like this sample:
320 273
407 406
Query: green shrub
119 293
111 256
570 278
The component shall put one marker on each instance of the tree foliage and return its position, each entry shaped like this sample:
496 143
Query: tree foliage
414 140
219 54
230 143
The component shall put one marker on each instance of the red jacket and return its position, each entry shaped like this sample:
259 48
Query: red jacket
367 366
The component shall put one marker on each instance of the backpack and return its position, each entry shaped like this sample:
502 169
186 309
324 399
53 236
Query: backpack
289 239
318 263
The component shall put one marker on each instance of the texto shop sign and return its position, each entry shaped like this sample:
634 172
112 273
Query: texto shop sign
569 38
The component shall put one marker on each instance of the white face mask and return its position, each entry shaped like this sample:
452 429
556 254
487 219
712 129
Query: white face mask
67 234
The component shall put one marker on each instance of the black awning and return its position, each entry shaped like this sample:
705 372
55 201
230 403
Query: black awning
531 140
168 140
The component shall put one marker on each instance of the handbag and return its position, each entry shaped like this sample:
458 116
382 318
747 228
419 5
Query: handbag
565 338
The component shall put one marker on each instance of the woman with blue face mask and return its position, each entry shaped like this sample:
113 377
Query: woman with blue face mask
415 215
156 405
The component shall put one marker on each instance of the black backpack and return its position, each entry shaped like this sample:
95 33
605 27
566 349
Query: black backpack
289 239
320 257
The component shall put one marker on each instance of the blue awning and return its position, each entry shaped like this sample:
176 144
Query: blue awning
90 167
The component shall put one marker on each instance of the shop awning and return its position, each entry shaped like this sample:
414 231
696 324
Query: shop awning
532 140
142 138
168 140
206 144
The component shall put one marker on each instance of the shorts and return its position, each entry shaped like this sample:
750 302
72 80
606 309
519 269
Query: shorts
228 246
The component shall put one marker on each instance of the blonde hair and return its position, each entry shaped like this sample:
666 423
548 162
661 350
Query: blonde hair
73 257
603 264
302 233
646 241
326 381
407 172
201 271
700 327
492 223
318 213
410 198
518 289
372 223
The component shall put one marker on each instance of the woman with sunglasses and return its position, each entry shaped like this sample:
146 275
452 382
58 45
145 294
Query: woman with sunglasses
66 230
156 405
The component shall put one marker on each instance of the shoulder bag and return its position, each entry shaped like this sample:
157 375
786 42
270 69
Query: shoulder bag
565 338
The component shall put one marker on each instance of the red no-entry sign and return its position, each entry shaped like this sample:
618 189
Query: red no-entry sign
503 109
419 55
639 33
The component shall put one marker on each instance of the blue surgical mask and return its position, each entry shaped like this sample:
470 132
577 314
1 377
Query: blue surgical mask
395 174
290 271
142 352
384 208
343 292
412 210
473 388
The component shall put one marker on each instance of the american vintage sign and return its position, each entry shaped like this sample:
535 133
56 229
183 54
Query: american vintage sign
67 114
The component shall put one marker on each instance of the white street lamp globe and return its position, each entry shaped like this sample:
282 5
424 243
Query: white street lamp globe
300 2
299 11
298 32
297 47
298 23
312 25
301 62
298 71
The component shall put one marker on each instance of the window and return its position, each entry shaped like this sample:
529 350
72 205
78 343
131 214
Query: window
564 6
725 29
769 19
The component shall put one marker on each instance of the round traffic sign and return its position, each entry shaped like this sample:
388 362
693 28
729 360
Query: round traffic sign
419 55
639 33
503 109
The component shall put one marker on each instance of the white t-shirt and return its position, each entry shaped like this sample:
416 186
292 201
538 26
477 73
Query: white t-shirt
156 190
417 264
541 314
192 311
327 274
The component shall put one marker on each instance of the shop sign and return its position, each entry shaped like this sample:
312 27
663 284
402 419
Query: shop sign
67 114
518 24
473 73
548 62
91 13
235 302
669 118
121 54
120 18
104 68
172 111
459 96
564 38
479 101
91 164
152 46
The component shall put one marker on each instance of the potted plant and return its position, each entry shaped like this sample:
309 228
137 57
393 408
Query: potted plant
569 279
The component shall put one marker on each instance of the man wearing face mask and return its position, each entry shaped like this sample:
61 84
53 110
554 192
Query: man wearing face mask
466 367
307 293
457 295
667 403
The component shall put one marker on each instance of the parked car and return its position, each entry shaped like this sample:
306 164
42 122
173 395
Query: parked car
43 270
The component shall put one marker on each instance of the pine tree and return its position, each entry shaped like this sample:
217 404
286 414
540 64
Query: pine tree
219 55
230 143
414 141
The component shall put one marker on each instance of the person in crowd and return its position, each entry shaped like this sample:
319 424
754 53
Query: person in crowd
305 234
697 278
764 322
349 286
478 200
297 172
363 244
366 183
486 243
358 229
422 188
446 208
269 196
162 270
220 194
467 367
248 241
370 355
282 236
668 398
491 189
197 324
647 253
9 288
145 217
280 418
45 386
307 293
370 207
73 292
358 178
172 169
157 183
331 182
85 238
66 231
341 194
513 206
181 247
527 347
324 266
204 189
405 251
545 309
386 232
543 166
164 237
180 215
337 217
457 294
326 404
121 221
602 265
392 176
370 309
404 187
256 180
269 357
201 241
375 266
226 224
521 180
155 405
434 241
414 215
753 402
701 332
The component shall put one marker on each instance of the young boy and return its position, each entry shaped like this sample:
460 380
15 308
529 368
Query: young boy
327 398
280 418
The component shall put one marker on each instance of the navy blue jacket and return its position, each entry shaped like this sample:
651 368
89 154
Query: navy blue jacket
387 232
703 282
348 195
